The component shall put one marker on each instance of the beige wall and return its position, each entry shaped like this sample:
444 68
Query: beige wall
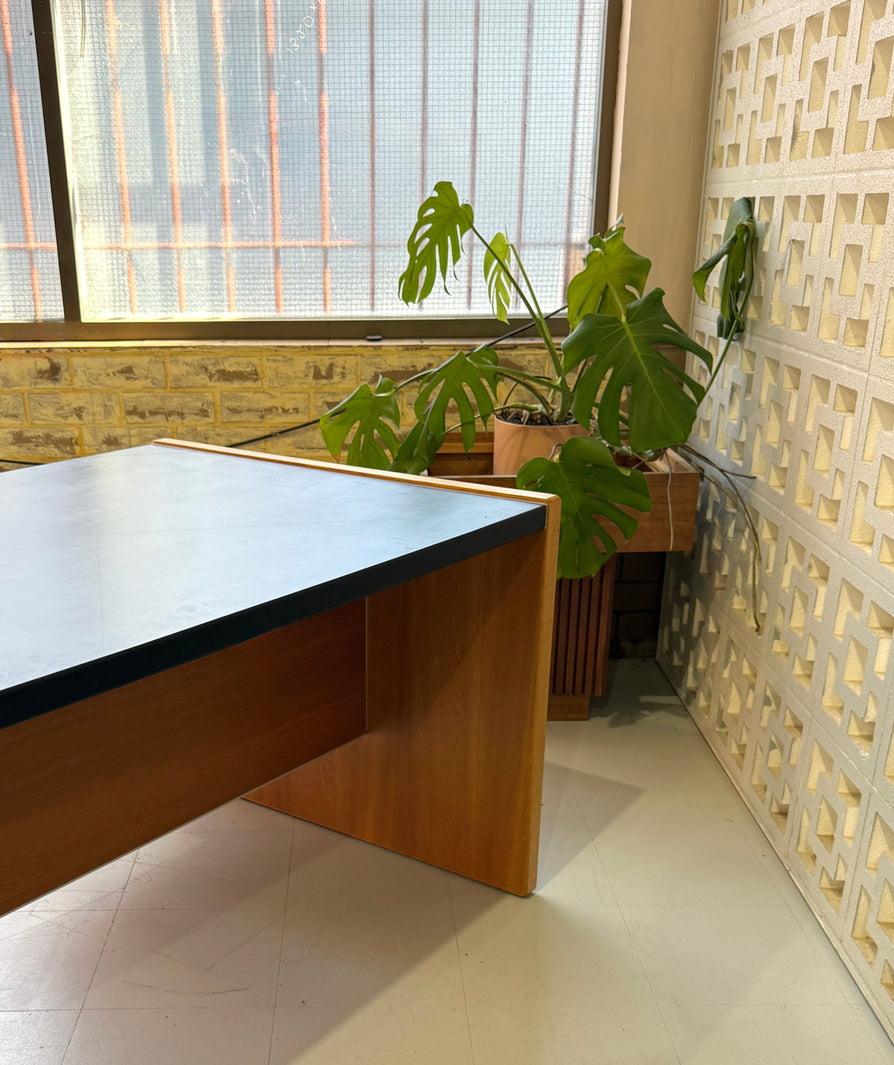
661 122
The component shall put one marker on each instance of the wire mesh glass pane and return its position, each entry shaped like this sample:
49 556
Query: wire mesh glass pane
266 158
29 270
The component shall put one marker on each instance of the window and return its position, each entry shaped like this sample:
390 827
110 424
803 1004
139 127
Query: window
261 161
29 270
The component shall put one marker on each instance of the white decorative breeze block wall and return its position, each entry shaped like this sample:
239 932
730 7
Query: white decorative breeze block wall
802 714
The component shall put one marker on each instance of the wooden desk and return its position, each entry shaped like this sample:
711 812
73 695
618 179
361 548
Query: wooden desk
182 624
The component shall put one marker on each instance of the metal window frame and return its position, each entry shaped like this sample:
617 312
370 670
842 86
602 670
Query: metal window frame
74 329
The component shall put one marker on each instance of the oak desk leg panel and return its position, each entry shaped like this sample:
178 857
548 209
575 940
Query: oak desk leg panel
451 768
82 785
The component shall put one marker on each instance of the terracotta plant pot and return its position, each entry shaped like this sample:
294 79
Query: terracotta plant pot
515 443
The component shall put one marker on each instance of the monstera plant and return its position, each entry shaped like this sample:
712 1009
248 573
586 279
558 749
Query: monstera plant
613 375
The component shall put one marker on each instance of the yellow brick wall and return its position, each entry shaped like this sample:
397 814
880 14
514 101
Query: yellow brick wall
58 402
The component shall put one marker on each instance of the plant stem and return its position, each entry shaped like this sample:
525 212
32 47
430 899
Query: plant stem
719 363
544 332
526 384
533 310
529 407
485 344
738 327
731 490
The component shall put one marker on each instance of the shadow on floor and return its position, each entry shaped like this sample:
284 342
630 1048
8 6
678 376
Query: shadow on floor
636 689
563 831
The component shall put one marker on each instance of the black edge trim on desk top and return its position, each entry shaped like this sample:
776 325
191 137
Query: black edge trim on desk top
57 690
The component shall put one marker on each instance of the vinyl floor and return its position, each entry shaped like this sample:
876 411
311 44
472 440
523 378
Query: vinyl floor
664 931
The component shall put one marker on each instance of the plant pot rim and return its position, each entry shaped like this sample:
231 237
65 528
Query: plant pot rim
499 416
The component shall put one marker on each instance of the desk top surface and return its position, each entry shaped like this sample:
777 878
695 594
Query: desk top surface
117 566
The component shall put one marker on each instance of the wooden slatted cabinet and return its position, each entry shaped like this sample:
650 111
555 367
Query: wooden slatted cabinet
582 626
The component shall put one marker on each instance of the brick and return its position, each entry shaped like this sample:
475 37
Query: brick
295 370
27 443
201 370
263 407
222 435
377 347
102 371
294 446
536 361
323 401
257 437
436 350
308 438
399 364
398 367
12 408
28 370
304 443
408 415
160 408
94 408
101 438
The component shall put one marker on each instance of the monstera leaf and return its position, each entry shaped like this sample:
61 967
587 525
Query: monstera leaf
418 450
737 252
435 245
613 276
467 383
468 380
591 486
368 412
497 260
615 355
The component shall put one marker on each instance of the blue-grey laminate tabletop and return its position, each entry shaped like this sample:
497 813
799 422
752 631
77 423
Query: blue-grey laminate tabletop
120 565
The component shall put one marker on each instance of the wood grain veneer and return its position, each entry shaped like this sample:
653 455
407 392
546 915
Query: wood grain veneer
670 525
452 666
673 486
450 770
84 784
487 486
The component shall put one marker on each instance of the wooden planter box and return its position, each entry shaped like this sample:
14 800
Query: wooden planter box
582 626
